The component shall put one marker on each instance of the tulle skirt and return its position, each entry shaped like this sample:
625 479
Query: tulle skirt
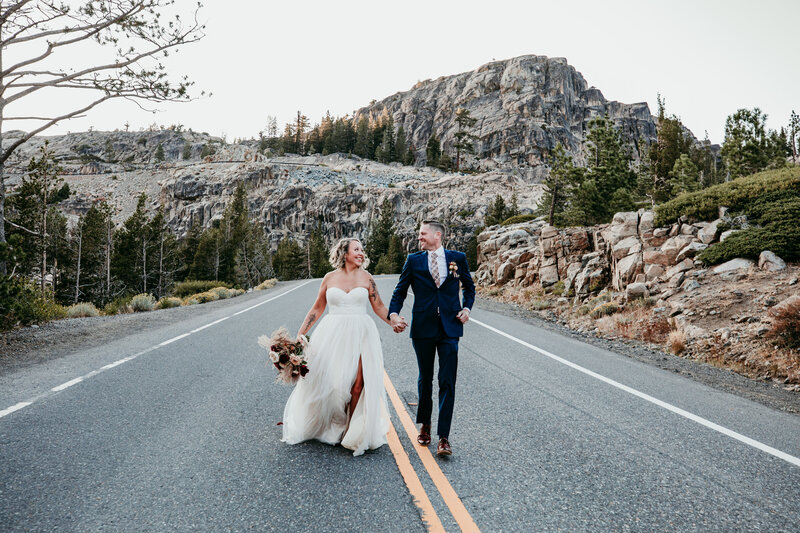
317 407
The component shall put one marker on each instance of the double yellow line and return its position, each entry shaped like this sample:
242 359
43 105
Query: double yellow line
451 499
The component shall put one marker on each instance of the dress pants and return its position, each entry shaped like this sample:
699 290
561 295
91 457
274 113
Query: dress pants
426 349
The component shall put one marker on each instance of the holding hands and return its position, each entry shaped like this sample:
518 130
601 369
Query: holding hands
398 323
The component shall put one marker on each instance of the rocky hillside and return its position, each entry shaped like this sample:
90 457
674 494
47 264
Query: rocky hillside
631 279
289 194
523 107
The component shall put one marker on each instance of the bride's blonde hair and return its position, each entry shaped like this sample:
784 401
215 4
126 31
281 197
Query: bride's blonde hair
339 251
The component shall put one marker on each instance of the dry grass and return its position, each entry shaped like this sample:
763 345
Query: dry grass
785 330
676 341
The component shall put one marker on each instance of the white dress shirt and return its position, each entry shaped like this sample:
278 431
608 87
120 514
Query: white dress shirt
442 261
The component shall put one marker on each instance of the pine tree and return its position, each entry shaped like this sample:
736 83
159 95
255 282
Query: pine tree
496 212
300 127
410 156
207 258
745 148
30 213
671 143
187 150
386 151
132 260
363 138
401 145
396 255
433 150
317 252
290 260
559 186
464 139
380 234
160 153
794 129
165 254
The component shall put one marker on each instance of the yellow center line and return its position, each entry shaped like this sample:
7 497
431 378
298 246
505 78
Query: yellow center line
451 499
421 500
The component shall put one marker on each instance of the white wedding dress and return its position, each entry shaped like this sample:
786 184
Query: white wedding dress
317 407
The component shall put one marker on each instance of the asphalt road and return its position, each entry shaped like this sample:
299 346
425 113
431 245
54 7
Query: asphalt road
549 434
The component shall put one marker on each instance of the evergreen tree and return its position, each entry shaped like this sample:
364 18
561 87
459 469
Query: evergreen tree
253 262
559 186
671 143
381 234
363 141
288 144
207 258
396 256
472 249
464 139
794 129
433 150
300 127
401 145
385 152
165 255
187 250
132 257
92 240
30 213
496 212
745 148
290 260
685 176
160 153
317 252
187 150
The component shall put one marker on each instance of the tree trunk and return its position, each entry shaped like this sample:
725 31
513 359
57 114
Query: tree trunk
144 266
160 287
108 260
78 270
553 205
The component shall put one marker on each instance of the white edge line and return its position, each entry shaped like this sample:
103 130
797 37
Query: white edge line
13 408
67 385
677 410
173 339
21 405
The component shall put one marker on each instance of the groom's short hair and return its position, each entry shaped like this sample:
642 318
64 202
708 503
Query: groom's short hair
436 226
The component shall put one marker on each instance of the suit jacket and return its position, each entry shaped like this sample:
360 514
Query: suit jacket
431 302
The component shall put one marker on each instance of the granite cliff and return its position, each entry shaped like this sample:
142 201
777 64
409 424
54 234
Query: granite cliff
523 107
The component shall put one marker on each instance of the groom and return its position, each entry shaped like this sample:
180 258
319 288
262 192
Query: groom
437 322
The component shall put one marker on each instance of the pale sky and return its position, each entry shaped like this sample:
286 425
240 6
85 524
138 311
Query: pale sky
259 58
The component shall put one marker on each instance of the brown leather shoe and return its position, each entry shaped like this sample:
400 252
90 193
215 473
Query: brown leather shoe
424 437
444 449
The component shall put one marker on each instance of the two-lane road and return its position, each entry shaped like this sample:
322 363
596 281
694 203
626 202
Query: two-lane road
176 429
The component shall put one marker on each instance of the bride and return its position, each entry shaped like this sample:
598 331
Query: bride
342 399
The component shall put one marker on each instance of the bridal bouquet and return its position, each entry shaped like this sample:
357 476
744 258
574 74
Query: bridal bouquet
286 355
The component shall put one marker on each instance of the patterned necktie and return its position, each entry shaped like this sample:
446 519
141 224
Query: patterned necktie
434 267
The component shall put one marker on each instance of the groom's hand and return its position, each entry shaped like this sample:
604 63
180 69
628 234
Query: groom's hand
463 315
398 323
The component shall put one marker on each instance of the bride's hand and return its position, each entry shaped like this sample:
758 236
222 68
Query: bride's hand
303 340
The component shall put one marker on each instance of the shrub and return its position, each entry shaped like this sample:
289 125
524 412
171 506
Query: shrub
222 292
517 219
236 292
168 301
608 308
557 288
118 306
82 309
143 302
785 330
267 284
676 341
783 239
187 288
736 195
208 296
191 300
22 303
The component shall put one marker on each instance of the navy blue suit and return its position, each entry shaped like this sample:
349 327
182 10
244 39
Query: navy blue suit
435 328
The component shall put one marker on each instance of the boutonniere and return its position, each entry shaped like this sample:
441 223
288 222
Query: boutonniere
453 267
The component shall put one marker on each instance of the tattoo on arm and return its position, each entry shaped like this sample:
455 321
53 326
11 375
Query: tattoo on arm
311 318
373 293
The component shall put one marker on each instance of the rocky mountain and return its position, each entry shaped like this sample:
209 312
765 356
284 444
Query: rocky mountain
523 107
289 194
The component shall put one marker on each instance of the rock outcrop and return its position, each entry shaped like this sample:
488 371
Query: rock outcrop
523 107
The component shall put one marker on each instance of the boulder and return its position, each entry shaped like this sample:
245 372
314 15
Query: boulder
770 262
690 250
635 291
709 232
733 265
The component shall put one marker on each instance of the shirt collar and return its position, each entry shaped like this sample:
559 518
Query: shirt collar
439 252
